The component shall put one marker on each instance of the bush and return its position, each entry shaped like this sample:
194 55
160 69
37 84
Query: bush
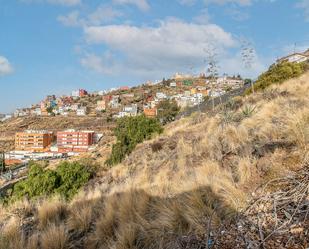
65 180
167 111
278 73
131 131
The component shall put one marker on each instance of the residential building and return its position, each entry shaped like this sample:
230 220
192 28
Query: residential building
122 115
131 110
101 105
81 111
75 93
173 84
150 112
21 112
79 93
114 102
37 111
5 117
74 107
32 140
75 141
179 76
295 57
124 88
82 92
161 95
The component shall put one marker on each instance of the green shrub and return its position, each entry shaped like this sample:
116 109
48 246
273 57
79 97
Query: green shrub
131 131
65 180
278 73
167 111
72 177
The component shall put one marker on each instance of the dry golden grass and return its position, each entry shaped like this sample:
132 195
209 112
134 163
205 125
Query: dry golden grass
51 211
80 216
54 237
33 241
11 236
202 174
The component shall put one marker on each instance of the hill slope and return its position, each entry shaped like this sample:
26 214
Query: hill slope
184 187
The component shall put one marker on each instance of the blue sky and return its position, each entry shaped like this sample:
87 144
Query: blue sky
56 46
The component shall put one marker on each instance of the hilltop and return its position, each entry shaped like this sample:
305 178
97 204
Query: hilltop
194 183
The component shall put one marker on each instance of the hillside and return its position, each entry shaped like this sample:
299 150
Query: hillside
11 126
194 186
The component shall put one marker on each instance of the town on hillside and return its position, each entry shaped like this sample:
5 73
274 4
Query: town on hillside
185 90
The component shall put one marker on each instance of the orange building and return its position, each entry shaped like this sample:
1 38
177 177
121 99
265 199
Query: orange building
150 112
36 141
77 141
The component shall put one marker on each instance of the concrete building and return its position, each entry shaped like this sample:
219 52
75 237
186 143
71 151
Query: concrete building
114 102
32 140
131 110
21 112
161 95
295 57
79 93
75 141
81 111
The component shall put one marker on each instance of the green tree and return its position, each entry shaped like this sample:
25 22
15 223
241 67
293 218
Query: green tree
72 177
131 131
167 111
278 73
65 180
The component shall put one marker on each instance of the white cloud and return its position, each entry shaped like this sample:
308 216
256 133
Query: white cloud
222 2
187 2
5 66
172 46
56 2
65 2
141 4
103 14
101 64
71 19
304 4
219 2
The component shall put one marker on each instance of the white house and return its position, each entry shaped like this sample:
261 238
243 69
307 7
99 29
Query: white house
81 111
161 95
295 57
173 84
75 93
131 110
114 103
37 111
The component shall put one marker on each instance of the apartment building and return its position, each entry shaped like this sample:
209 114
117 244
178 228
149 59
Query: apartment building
76 141
32 140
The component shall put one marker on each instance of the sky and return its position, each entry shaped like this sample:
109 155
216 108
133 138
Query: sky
56 46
